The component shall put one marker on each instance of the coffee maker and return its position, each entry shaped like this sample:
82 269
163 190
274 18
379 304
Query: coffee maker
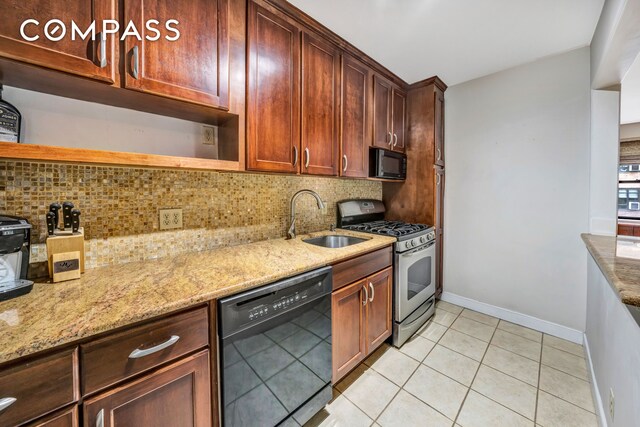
15 240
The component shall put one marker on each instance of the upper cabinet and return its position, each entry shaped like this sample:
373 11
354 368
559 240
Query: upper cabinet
273 98
85 58
320 106
389 115
194 67
439 127
355 118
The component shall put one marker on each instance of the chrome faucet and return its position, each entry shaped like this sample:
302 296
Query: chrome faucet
292 228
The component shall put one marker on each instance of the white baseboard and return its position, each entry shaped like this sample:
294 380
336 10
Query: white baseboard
595 391
531 322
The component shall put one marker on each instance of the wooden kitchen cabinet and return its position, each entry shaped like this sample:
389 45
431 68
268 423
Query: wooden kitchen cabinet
361 311
355 118
86 58
192 68
439 127
273 98
389 115
379 308
177 395
65 418
320 106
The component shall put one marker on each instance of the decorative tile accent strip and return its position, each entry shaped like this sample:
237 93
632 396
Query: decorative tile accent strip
120 206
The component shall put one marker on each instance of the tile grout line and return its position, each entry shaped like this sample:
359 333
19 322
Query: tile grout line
535 414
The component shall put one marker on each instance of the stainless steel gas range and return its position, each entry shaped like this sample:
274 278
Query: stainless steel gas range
414 262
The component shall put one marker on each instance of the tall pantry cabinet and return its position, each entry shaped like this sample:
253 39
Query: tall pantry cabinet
420 198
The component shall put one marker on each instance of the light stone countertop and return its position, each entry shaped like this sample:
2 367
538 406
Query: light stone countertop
107 298
619 261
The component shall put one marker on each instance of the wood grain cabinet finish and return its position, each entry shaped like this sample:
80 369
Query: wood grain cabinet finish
39 387
348 308
177 395
379 308
85 58
65 418
192 68
439 127
320 106
355 121
111 359
354 269
382 93
398 119
273 98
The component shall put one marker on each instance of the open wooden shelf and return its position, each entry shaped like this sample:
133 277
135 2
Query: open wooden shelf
48 153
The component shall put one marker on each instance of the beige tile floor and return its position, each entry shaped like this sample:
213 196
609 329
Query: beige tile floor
469 370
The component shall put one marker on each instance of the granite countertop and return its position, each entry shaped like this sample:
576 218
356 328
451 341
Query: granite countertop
106 298
619 259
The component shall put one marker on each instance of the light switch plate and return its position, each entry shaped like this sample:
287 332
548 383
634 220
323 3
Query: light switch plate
170 219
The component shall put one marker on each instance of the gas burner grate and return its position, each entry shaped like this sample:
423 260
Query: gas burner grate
390 228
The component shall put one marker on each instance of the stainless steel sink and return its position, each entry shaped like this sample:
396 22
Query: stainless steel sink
334 241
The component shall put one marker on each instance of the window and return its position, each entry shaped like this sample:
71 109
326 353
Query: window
629 191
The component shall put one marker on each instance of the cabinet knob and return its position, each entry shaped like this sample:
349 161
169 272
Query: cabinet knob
366 295
307 157
5 402
439 154
390 138
100 418
134 62
102 39
373 292
395 139
344 163
295 155
137 353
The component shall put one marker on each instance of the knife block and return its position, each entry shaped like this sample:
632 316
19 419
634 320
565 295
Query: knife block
65 242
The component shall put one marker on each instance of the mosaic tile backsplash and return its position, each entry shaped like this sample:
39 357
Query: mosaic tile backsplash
120 206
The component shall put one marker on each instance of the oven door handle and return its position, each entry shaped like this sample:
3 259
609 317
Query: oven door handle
420 249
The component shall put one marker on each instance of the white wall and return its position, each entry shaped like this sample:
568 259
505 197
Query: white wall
605 148
613 341
517 188
55 120
630 131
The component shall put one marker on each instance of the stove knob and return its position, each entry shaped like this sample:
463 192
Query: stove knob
423 239
410 244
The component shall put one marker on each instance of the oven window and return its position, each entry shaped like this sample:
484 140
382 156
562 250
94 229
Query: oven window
419 277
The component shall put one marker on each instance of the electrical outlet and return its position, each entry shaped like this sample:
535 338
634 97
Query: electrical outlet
209 135
324 208
170 219
612 404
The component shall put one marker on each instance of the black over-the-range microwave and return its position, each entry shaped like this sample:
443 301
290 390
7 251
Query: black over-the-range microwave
387 164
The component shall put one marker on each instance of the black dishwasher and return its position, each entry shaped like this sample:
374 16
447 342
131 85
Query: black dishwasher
275 351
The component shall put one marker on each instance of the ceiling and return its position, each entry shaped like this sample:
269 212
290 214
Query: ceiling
457 40
630 95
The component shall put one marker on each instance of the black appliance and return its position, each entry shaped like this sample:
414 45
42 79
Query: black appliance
15 234
275 350
387 164
10 120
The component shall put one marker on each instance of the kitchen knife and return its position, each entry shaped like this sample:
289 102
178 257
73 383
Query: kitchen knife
51 227
55 209
75 220
67 207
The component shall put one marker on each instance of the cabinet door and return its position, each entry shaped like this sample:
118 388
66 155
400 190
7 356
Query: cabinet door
178 395
273 98
320 106
379 308
86 58
192 68
356 133
439 211
382 91
66 418
439 127
399 115
348 328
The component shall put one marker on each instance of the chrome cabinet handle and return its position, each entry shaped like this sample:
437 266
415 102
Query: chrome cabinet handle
345 162
103 49
438 179
100 418
373 292
307 156
395 139
134 62
390 138
295 155
366 295
137 353
439 154
5 402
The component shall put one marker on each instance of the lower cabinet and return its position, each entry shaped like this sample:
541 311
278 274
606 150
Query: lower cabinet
361 320
177 395
65 418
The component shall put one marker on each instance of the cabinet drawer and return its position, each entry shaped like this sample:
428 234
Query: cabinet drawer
38 387
65 418
354 269
116 357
